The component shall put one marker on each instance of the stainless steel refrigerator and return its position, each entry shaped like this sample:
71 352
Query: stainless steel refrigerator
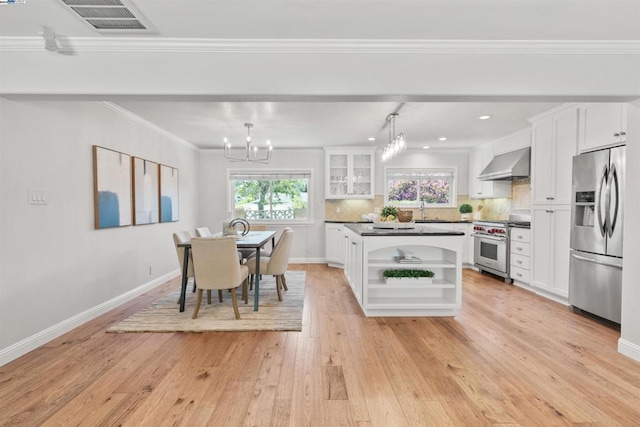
595 274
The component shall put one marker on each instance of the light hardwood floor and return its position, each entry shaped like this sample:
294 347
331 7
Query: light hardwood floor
509 357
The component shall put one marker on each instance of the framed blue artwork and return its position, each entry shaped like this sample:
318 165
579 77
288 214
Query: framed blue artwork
145 191
112 188
169 194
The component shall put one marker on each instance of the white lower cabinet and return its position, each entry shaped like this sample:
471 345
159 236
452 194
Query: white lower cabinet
550 232
520 249
334 247
353 263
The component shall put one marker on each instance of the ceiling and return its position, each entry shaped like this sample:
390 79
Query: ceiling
344 120
321 124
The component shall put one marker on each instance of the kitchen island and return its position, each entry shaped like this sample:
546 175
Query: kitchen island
370 251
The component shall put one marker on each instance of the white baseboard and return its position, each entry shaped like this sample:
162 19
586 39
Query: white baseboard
31 343
629 349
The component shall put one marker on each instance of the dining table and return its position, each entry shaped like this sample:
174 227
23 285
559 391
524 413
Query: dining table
252 240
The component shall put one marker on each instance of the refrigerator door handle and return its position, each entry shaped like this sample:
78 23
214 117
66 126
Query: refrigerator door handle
584 258
613 184
603 182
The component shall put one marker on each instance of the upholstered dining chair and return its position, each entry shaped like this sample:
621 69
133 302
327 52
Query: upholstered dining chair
203 232
266 253
184 237
276 263
216 267
246 253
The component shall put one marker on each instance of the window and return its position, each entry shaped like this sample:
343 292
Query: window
270 196
435 187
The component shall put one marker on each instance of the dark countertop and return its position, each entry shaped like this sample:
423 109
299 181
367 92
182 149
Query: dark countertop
417 221
368 230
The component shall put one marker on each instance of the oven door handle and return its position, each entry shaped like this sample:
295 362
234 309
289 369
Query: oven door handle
485 236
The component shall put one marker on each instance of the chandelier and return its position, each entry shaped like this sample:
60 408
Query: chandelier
396 143
251 152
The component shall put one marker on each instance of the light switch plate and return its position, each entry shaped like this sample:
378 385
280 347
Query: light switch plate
37 197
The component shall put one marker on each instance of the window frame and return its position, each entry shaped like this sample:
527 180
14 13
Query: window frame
260 173
453 193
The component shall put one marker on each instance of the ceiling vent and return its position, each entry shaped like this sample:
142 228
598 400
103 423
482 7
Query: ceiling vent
110 16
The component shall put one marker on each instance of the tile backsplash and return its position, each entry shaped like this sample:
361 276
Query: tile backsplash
491 209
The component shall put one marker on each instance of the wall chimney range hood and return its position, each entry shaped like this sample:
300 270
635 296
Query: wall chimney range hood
508 166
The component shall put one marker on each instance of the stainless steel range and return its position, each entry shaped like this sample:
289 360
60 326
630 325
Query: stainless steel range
491 247
491 244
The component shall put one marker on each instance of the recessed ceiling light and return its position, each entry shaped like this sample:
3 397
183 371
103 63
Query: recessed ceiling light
485 117
442 138
371 138
426 147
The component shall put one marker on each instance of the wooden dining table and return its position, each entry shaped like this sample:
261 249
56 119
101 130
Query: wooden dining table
252 240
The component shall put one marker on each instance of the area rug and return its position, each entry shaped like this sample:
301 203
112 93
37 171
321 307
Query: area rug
273 315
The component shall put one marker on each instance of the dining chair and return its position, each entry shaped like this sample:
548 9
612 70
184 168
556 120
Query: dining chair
216 267
266 253
184 237
203 232
277 262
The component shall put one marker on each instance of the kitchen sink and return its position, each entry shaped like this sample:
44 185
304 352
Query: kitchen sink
426 221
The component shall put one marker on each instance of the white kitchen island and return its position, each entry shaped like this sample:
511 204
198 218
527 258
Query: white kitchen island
370 251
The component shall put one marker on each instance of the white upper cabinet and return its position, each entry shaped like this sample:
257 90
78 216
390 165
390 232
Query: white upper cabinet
478 160
602 125
349 173
555 140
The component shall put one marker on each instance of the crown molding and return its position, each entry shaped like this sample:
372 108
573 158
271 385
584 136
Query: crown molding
135 118
325 46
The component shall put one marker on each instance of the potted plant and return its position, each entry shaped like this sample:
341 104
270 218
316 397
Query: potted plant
466 211
401 276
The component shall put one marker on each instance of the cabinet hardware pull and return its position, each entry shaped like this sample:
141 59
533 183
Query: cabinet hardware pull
548 211
519 262
549 198
518 274
623 133
616 134
520 237
519 249
353 243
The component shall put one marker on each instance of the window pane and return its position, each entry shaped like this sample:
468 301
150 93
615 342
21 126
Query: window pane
416 186
403 191
435 191
252 199
278 198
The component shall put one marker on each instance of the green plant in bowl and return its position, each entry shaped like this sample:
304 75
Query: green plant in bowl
411 273
389 213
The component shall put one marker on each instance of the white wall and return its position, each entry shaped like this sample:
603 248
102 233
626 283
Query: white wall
629 342
53 264
309 238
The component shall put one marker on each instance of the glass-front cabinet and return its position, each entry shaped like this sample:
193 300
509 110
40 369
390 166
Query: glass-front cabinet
349 173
